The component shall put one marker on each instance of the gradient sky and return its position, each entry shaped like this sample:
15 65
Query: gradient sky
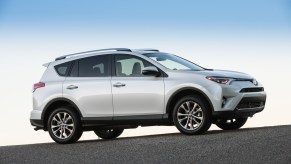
145 17
252 36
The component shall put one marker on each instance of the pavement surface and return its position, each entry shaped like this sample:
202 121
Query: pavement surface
252 145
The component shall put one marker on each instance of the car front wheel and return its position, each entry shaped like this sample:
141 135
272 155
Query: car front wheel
191 116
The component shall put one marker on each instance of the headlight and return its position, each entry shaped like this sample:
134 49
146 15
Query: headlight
220 80
255 82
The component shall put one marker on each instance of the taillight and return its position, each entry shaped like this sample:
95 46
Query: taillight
38 85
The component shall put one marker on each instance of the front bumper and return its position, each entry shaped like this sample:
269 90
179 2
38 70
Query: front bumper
237 113
247 107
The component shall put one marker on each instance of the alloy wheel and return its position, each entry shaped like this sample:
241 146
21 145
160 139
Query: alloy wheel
190 115
62 125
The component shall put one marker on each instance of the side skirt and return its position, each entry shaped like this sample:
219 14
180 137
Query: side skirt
91 123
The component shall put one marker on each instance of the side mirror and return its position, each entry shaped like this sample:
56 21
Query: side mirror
151 71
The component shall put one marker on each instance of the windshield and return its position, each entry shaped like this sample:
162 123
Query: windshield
173 62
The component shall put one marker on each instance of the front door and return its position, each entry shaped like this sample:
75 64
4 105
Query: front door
135 94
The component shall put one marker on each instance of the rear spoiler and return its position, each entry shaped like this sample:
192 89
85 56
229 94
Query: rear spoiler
46 64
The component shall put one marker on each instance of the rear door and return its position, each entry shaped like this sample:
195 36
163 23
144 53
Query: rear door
89 86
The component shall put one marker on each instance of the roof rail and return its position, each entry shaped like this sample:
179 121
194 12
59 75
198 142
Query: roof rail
147 49
86 52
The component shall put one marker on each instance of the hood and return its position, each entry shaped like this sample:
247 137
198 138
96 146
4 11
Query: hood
225 73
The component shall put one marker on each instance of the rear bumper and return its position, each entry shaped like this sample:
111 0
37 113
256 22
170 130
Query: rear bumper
37 123
35 114
35 119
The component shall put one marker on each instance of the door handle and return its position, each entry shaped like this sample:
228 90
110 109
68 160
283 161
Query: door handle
118 85
72 87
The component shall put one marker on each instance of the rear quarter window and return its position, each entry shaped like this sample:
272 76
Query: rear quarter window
63 69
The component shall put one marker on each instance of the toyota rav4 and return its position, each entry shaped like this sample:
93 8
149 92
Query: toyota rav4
109 90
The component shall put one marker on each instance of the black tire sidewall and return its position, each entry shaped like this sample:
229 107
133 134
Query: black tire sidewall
77 132
206 123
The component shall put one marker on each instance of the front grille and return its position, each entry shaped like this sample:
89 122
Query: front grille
259 89
251 102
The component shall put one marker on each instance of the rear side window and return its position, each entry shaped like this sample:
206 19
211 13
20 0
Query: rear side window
63 69
97 66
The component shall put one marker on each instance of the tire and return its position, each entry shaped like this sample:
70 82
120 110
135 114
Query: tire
108 133
191 121
64 126
231 124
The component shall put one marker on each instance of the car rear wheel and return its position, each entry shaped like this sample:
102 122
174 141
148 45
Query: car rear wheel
231 124
191 115
108 133
64 126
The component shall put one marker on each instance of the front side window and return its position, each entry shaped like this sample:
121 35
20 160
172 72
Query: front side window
97 66
129 66
173 62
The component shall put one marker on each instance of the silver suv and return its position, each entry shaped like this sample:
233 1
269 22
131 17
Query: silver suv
109 90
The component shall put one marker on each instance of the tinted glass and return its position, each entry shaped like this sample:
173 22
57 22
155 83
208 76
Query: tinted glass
75 69
97 66
63 69
128 65
173 62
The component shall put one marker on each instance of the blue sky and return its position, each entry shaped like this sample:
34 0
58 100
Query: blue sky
242 16
150 22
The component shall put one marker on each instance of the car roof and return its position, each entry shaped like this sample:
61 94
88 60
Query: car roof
106 50
79 55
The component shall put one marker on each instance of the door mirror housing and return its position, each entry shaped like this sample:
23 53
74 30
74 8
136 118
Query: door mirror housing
151 71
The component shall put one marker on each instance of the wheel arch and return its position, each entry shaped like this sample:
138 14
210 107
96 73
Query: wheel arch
55 103
184 92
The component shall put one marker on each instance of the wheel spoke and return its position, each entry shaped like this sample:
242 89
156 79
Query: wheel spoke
196 121
188 105
193 109
59 117
72 125
54 131
199 118
191 124
198 110
55 126
69 118
64 118
182 106
56 120
182 119
64 133
69 130
182 114
186 125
